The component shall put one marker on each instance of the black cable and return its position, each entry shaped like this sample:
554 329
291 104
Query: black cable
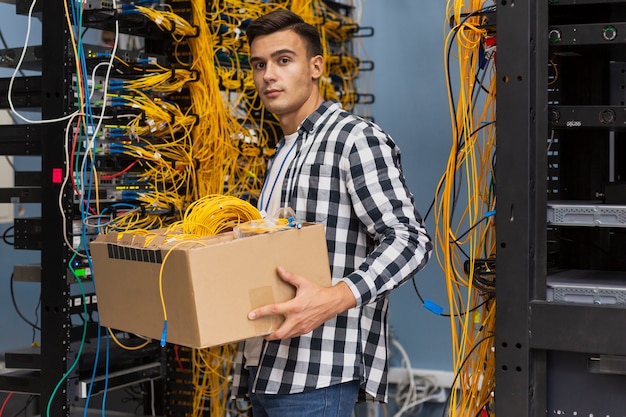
17 310
458 246
416 290
10 163
4 42
461 143
480 81
484 286
462 313
447 407
6 235
36 318
472 227
432 203
23 409
455 242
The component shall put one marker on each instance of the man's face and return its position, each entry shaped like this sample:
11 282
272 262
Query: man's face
284 75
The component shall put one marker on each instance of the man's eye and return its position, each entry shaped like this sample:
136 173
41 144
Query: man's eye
284 60
259 65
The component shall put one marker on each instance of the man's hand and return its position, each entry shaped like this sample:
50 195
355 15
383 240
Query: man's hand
312 306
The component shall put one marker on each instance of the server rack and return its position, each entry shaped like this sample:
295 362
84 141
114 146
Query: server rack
55 337
554 130
59 372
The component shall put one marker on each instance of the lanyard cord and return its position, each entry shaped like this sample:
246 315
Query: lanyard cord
280 169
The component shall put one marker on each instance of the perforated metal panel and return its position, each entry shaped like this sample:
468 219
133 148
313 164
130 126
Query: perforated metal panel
577 214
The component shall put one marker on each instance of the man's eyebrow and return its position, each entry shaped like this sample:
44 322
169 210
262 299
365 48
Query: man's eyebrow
285 51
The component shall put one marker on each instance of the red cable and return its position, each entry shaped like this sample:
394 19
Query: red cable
4 404
177 359
108 177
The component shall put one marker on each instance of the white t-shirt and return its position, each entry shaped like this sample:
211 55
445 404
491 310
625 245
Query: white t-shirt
269 201
269 204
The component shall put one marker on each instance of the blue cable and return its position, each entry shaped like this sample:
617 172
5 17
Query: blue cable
93 373
106 376
433 307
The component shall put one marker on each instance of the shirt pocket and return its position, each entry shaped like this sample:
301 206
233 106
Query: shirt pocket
315 188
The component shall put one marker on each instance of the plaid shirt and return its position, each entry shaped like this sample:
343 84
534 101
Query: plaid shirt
346 174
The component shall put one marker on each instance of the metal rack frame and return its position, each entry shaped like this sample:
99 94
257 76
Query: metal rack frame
55 320
528 327
520 213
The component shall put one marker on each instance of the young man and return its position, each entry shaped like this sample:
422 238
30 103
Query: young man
334 168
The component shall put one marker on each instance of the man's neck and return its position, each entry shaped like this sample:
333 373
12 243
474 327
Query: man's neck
290 123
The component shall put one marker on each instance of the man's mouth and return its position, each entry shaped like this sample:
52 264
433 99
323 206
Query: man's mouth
271 93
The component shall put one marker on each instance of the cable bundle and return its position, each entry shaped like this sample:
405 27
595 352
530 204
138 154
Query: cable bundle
212 367
213 214
168 21
468 258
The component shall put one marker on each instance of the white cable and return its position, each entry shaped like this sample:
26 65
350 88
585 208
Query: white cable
81 180
64 184
98 222
407 363
17 69
415 394
420 401
105 89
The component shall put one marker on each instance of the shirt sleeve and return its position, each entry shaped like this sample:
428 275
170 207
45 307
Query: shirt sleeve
385 207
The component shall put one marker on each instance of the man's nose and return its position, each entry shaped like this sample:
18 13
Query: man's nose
269 74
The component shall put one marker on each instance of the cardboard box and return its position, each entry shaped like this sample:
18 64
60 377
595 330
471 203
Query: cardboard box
209 284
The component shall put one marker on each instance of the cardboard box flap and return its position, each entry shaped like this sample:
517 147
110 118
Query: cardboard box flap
107 237
156 242
127 239
140 241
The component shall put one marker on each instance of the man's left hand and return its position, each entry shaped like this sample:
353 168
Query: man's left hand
312 306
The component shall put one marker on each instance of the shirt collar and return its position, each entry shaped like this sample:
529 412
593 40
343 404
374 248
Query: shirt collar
313 120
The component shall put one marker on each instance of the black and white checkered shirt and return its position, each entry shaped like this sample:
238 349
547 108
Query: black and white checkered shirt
346 174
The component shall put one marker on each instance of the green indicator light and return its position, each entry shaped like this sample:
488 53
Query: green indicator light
609 33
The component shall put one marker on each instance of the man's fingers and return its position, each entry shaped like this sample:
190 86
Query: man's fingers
293 279
286 275
291 310
272 309
267 310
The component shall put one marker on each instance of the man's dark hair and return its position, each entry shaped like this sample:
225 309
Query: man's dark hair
284 19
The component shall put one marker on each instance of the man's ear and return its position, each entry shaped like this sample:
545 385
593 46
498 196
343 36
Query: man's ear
317 66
